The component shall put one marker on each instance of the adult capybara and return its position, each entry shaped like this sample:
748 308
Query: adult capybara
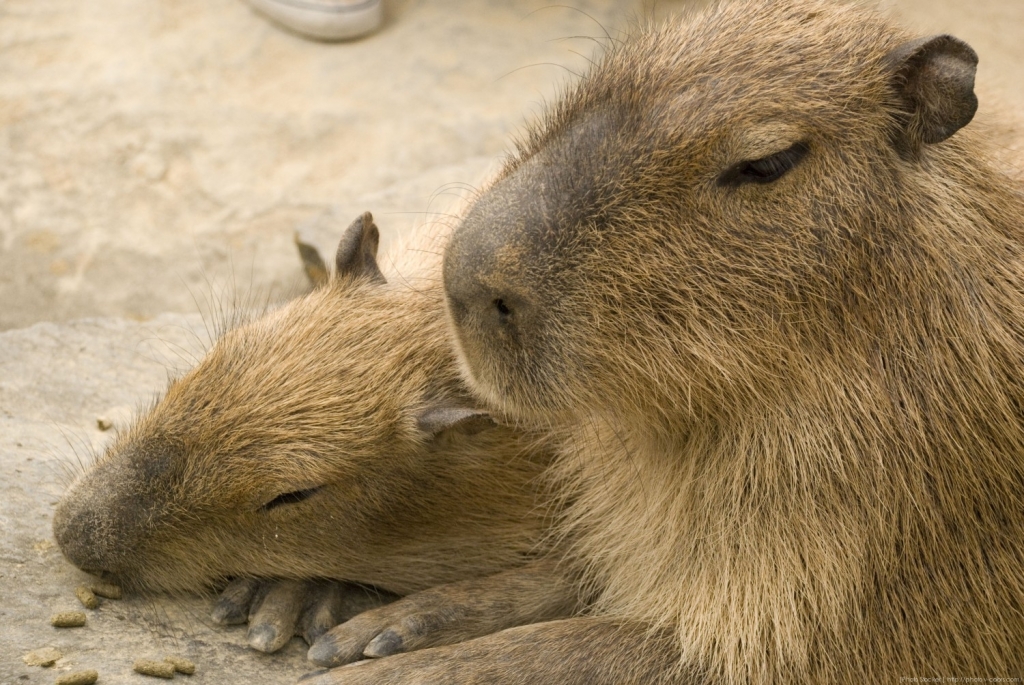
773 290
330 439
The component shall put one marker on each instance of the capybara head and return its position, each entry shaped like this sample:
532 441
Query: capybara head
711 202
330 438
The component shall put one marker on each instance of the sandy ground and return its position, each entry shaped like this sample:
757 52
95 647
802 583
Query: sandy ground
155 153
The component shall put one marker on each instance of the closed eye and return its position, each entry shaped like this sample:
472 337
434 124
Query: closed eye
766 169
290 498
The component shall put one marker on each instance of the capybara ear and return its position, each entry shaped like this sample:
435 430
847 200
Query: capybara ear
934 78
357 250
437 420
312 263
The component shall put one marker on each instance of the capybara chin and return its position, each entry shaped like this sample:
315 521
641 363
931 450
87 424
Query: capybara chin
757 267
331 438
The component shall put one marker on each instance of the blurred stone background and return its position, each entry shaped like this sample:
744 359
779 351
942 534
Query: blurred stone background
149 150
159 153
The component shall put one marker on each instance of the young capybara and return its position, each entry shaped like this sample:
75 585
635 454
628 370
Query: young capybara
330 439
773 290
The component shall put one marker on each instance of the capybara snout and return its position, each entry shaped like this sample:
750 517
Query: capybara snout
109 514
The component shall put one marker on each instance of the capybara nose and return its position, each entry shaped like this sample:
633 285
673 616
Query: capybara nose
484 300
493 295
484 309
101 519
77 530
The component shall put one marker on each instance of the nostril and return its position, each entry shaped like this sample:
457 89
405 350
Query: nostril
504 312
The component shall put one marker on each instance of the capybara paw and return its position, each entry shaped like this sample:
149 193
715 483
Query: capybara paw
273 619
419 620
232 606
276 610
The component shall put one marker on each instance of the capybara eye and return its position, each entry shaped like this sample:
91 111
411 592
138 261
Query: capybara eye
290 498
766 169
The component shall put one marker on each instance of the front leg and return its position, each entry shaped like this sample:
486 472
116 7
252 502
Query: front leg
575 651
278 609
452 613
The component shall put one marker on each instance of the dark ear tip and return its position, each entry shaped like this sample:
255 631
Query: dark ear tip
312 263
370 231
357 250
366 223
919 50
934 78
944 43
964 50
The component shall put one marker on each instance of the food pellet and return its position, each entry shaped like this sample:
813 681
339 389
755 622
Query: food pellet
157 669
45 657
181 664
78 678
86 597
68 619
107 590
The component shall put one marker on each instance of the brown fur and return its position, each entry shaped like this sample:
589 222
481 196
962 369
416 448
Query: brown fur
794 412
327 391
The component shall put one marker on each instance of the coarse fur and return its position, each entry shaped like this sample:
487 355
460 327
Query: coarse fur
795 410
297 448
